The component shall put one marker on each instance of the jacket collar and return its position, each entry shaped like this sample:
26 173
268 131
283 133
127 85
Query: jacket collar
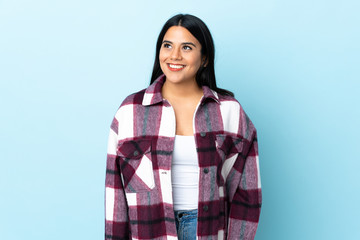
153 95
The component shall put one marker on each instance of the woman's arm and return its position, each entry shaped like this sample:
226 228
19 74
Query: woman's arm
246 203
116 214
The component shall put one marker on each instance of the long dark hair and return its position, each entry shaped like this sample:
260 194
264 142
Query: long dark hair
206 73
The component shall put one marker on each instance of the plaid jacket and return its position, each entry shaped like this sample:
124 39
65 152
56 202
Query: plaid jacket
138 191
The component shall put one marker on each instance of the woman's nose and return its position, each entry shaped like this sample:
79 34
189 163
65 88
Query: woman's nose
176 54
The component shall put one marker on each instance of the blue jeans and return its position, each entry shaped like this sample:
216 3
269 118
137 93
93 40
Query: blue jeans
186 221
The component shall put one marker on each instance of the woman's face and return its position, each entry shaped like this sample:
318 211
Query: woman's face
180 55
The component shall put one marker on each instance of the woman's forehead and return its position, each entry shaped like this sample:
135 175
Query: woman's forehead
179 34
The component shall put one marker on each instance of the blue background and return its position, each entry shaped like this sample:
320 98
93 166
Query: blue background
65 66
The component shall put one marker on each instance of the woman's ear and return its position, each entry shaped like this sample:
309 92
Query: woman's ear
204 61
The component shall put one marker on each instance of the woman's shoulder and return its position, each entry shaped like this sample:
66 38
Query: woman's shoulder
129 101
232 110
228 100
134 98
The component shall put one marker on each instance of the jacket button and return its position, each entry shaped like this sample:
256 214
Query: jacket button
206 170
203 134
136 153
206 208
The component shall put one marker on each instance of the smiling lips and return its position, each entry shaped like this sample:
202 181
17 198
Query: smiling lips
175 67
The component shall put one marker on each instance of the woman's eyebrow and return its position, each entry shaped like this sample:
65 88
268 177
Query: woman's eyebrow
184 43
188 43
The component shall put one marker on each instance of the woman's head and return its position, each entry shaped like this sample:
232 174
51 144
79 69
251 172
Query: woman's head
205 75
180 55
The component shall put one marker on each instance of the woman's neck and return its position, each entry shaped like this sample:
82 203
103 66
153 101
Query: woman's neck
188 89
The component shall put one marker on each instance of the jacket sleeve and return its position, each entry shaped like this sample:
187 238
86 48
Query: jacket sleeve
116 211
245 204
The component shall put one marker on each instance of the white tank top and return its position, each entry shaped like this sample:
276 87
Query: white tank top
185 173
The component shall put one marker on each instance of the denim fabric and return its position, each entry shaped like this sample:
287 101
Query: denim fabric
186 221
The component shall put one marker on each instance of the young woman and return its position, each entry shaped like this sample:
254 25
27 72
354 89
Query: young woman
182 157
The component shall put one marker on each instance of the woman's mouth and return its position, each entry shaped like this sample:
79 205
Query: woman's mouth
175 67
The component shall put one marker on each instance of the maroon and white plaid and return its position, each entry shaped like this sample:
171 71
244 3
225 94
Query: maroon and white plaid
138 192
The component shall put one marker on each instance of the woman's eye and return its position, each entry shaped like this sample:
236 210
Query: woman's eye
166 45
187 47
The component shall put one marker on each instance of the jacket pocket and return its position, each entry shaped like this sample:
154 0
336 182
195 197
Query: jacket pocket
136 165
228 147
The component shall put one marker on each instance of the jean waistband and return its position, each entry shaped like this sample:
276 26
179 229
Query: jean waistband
183 213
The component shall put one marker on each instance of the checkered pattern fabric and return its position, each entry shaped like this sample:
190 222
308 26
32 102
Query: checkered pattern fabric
138 191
